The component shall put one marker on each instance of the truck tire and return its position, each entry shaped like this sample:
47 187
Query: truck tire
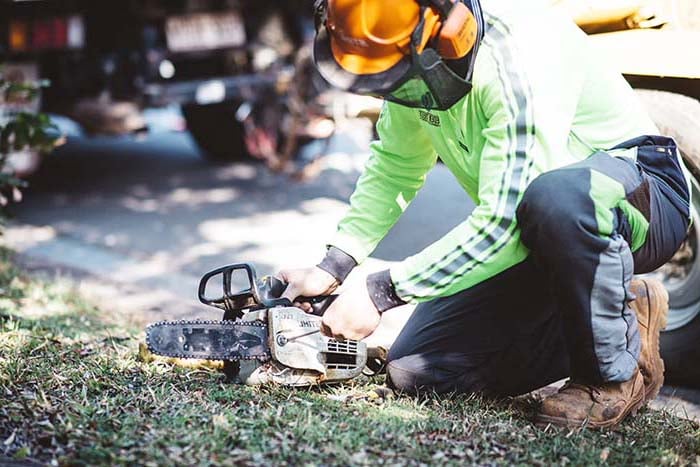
215 130
679 117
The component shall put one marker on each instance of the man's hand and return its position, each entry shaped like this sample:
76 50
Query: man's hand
308 282
352 315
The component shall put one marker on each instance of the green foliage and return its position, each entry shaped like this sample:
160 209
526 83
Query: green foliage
20 130
73 391
25 129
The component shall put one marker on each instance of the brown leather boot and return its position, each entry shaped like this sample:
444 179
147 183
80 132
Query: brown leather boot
651 307
593 406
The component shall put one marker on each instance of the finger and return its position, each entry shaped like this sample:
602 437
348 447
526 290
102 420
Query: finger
325 330
330 332
284 275
332 288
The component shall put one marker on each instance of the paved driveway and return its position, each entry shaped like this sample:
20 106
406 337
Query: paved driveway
154 215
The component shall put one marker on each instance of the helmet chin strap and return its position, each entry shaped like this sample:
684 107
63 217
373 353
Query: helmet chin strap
417 34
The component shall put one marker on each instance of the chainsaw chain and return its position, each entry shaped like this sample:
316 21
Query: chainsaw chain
198 322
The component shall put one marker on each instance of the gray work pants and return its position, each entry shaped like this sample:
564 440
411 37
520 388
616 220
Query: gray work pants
565 310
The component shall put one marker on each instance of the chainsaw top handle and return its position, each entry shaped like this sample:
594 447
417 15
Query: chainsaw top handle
264 293
276 287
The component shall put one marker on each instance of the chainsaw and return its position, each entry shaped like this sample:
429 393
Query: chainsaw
261 338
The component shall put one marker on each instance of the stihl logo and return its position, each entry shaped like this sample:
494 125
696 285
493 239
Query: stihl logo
307 324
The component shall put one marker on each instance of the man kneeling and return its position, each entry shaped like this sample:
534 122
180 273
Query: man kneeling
571 200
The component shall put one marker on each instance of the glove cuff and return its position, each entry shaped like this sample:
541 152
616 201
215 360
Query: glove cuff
337 263
382 292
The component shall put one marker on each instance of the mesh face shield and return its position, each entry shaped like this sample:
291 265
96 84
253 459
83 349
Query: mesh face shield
431 84
420 80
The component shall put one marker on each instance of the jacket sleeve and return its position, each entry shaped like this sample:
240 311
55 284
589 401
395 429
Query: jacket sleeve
488 242
394 173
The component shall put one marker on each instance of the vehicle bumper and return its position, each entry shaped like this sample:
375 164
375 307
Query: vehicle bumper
209 91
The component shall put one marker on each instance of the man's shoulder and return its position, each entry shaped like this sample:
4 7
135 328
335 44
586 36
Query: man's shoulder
531 21
535 41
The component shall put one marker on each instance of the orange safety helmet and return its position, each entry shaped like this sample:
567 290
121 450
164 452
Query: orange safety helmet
378 46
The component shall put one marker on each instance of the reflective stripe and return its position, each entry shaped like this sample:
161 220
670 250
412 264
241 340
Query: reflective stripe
491 238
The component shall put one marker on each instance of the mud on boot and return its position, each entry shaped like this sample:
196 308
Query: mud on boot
579 405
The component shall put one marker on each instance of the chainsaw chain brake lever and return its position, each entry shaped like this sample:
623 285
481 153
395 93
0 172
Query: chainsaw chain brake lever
263 293
233 303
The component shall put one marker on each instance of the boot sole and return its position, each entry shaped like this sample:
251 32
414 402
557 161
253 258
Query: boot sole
632 410
658 299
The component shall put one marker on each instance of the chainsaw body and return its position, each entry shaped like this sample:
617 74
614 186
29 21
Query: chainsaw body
259 327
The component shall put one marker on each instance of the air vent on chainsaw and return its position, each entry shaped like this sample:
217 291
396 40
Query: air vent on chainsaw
341 355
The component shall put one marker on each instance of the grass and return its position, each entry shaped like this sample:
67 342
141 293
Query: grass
73 391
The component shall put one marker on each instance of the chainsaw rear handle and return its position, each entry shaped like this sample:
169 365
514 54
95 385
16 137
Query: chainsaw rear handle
264 293
275 287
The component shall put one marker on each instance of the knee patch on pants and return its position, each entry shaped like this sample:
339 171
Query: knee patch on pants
548 212
441 373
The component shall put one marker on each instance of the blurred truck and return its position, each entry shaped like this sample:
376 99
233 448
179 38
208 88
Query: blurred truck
108 60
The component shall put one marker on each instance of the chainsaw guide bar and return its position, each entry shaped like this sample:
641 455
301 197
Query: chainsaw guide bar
209 339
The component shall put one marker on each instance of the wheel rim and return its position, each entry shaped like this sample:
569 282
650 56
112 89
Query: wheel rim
681 275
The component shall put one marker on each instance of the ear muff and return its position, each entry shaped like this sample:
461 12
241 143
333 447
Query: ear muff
459 32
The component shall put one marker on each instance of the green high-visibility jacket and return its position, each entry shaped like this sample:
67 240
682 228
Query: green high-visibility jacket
542 99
